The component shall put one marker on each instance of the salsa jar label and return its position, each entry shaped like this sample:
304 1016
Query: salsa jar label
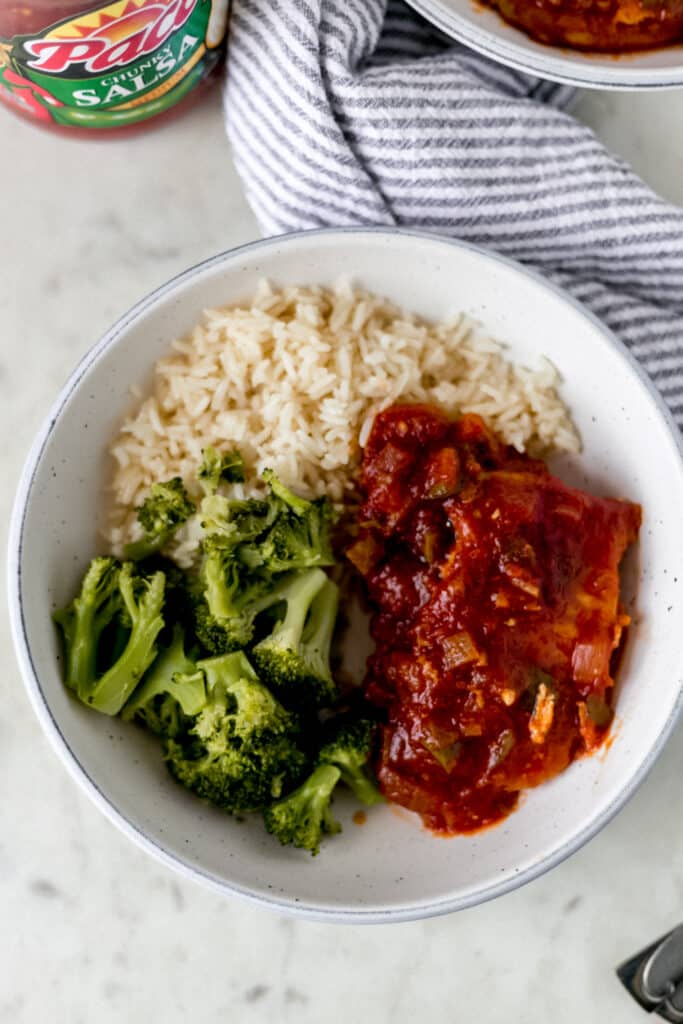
116 65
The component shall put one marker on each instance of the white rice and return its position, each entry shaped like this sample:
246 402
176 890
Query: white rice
294 380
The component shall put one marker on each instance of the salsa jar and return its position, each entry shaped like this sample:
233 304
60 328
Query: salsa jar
77 66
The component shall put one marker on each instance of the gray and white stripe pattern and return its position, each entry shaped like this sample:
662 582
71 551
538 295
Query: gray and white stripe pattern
352 112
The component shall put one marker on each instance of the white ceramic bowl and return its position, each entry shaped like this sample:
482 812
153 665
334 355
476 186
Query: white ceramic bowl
390 868
484 30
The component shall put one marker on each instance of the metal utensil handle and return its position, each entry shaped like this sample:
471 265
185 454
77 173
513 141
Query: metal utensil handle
654 977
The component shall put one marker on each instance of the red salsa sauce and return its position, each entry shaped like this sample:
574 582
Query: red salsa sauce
600 25
494 590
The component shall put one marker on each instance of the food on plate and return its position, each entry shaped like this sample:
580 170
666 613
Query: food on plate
235 489
496 615
167 507
301 817
228 662
120 610
602 25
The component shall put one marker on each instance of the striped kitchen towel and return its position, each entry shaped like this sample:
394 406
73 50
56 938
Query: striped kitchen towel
345 112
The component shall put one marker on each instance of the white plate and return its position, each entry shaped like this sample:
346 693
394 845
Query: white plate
484 30
390 868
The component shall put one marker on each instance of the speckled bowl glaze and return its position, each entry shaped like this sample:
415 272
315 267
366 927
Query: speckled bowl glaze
389 869
483 29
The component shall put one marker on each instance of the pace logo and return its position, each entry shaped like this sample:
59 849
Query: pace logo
109 38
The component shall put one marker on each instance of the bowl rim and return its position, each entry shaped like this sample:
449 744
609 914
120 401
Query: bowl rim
68 757
556 65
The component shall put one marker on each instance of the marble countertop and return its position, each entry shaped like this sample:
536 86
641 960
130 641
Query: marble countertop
91 929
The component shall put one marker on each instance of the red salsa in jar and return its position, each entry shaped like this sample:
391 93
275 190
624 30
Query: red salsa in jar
75 66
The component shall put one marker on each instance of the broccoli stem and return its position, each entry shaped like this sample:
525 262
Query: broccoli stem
303 817
83 621
317 791
113 689
226 670
218 592
300 590
300 506
172 673
348 749
362 787
319 629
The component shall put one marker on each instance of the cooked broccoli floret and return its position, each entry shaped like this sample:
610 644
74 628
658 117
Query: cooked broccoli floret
299 542
300 535
303 817
143 601
211 634
294 660
241 750
84 620
172 686
236 521
226 589
231 599
214 513
103 674
251 517
167 507
348 746
217 467
240 524
247 545
279 534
